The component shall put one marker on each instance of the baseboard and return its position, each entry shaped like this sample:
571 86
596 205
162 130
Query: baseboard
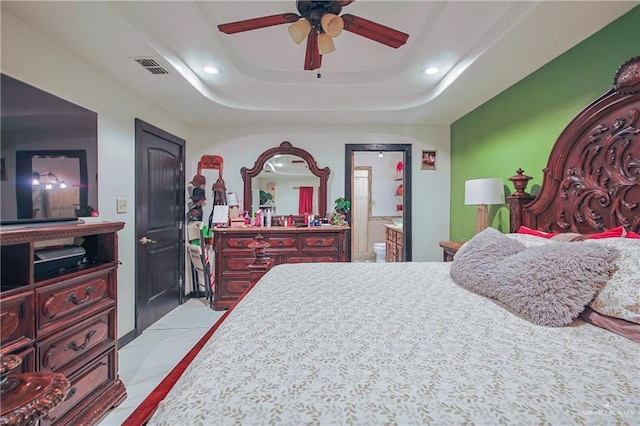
127 338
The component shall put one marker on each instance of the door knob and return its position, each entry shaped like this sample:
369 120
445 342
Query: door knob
144 241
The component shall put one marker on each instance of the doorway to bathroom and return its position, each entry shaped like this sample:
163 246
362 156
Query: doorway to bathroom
361 214
378 183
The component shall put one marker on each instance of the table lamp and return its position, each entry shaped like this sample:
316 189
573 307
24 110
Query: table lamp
483 192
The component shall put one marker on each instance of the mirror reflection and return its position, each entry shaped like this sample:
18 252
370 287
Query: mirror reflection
287 181
286 186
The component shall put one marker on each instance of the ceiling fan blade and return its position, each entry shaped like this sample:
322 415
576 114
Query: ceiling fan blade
256 23
374 31
313 58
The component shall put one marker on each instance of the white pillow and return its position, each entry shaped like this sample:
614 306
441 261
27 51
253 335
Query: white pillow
620 297
529 240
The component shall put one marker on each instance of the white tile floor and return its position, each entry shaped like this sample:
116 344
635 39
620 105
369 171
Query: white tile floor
145 361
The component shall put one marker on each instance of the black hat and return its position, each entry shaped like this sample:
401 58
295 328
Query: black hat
198 194
194 214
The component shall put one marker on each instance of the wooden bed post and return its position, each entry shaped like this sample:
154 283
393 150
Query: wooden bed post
518 199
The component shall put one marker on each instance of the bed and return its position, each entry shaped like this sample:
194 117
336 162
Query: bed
411 343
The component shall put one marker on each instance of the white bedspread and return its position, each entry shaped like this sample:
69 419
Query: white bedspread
398 343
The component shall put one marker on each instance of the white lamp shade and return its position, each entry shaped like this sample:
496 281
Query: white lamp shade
484 191
299 30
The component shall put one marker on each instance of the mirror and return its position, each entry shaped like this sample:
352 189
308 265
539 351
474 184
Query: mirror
49 156
286 180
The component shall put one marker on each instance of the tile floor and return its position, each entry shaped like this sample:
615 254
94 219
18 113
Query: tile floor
146 360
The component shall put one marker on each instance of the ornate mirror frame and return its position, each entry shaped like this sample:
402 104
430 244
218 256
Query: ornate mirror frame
286 148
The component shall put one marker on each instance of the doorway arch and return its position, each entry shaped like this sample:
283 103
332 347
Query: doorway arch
350 149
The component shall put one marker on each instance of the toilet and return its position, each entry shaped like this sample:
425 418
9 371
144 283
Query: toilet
380 249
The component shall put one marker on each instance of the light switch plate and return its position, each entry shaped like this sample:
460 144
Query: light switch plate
121 206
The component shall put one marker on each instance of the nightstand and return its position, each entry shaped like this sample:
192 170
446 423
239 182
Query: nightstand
449 249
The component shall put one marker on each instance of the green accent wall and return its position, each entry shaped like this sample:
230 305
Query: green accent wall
518 127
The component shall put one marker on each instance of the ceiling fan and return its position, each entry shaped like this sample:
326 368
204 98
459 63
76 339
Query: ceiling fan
318 22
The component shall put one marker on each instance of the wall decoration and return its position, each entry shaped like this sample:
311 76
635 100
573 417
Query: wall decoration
428 160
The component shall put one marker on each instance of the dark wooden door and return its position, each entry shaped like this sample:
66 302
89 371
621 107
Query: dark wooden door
159 221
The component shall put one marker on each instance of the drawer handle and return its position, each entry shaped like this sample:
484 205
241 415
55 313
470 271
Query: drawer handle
74 345
73 298
318 242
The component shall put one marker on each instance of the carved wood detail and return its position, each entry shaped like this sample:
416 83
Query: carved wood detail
286 148
26 234
28 397
592 179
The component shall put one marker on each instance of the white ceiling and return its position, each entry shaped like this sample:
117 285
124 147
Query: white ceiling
481 48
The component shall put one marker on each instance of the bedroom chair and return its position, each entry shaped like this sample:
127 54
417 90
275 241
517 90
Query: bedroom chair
201 269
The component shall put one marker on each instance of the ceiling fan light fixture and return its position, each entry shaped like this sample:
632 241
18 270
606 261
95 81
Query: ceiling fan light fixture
299 30
325 44
332 24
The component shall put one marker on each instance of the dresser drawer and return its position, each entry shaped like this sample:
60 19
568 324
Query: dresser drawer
319 242
86 383
234 285
236 243
316 258
16 321
62 348
280 243
28 361
237 263
64 302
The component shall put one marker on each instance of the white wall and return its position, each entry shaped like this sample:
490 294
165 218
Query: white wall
383 180
34 59
241 146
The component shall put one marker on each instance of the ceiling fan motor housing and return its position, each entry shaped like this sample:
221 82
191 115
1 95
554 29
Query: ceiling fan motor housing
314 10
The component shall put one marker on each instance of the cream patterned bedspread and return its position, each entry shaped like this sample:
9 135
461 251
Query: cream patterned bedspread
398 343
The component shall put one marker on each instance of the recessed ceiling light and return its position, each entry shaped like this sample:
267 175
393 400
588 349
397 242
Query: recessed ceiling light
430 71
212 70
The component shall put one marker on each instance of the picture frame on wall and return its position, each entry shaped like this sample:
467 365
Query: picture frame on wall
428 160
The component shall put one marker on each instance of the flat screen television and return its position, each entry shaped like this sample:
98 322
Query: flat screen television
49 156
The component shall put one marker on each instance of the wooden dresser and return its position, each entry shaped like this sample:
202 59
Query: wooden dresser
64 321
286 245
394 243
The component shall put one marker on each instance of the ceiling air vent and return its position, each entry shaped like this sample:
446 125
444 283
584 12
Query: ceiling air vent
151 65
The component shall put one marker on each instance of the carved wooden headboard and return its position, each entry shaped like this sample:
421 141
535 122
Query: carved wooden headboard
592 179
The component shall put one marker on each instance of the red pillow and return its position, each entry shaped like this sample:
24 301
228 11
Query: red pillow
617 232
631 234
529 231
